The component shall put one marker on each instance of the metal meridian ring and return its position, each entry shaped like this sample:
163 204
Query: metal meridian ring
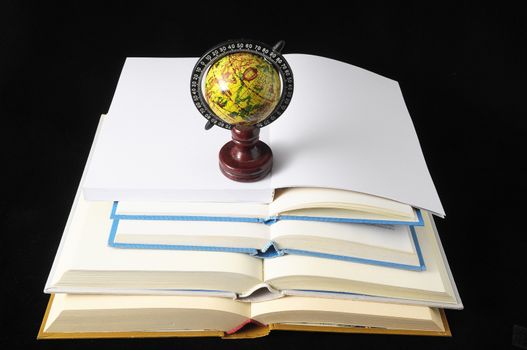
233 46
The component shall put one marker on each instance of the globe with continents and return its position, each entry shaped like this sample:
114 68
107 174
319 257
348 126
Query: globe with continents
242 88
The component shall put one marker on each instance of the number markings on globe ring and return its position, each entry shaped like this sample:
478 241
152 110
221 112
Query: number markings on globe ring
235 46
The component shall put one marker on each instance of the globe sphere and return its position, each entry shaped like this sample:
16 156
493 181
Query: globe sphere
242 88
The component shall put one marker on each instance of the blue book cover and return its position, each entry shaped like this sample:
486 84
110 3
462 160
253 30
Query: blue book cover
269 250
116 214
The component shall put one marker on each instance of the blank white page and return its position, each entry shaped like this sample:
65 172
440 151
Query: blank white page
153 145
348 128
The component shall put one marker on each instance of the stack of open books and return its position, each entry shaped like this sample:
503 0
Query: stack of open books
339 238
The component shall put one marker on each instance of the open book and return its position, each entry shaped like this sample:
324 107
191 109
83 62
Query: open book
92 316
386 245
296 203
355 136
86 264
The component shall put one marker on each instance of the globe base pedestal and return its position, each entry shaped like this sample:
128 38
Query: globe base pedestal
245 158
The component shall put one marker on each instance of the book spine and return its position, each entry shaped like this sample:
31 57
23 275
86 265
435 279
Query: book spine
243 324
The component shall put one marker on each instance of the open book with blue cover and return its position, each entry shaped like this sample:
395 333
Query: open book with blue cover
324 223
294 203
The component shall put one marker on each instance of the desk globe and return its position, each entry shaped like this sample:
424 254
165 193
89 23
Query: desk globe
242 88
243 85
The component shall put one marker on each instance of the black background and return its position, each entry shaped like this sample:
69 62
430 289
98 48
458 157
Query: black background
461 69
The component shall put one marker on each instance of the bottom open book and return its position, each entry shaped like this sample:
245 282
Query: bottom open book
118 316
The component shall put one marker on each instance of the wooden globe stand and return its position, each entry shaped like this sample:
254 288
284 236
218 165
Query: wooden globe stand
245 158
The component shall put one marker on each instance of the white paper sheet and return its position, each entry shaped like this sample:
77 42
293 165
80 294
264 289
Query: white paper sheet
153 145
346 128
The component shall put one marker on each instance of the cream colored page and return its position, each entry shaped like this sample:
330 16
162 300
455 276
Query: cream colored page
251 210
86 248
302 197
396 237
201 233
341 311
169 312
433 279
348 214
113 302
74 217
338 305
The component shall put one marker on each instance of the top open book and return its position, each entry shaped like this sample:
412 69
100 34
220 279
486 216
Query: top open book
346 129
